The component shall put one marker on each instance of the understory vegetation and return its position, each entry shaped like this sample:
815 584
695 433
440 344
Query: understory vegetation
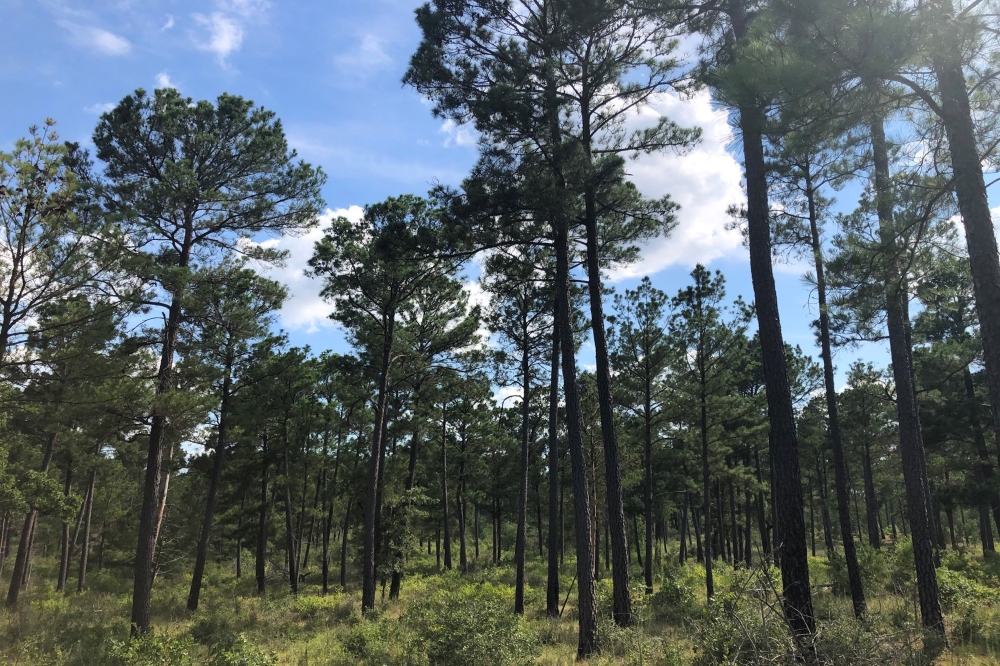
453 619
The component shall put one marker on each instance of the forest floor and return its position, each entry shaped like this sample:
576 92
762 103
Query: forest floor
453 619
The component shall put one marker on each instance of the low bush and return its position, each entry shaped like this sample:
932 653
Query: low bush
471 624
151 650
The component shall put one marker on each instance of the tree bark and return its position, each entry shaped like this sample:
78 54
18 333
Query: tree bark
261 551
522 488
836 438
65 540
445 517
910 439
587 604
375 467
81 582
213 487
552 578
27 535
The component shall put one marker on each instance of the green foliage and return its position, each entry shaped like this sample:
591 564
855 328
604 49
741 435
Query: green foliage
675 601
873 564
242 653
471 624
382 642
151 650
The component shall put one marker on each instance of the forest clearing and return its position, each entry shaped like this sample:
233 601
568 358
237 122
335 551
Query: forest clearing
523 415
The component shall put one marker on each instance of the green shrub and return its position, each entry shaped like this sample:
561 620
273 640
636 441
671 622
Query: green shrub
151 650
331 607
241 652
955 588
873 564
630 647
471 624
381 642
675 601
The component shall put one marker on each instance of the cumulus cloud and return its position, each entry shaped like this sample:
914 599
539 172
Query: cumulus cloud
457 135
305 310
168 24
97 39
163 81
98 109
365 59
704 181
221 35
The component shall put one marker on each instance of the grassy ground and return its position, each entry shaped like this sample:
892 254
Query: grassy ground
456 620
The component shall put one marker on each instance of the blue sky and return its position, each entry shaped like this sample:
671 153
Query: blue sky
331 71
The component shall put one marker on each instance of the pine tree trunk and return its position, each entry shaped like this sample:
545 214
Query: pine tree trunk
970 190
552 574
587 603
213 487
23 556
375 468
150 514
522 488
343 544
65 541
911 443
647 498
984 469
85 546
871 500
836 437
291 547
787 484
261 551
445 517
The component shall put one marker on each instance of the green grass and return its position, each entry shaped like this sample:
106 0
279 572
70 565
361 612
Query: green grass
674 627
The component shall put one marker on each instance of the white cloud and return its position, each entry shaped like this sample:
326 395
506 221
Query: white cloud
457 135
98 109
163 81
366 59
704 181
247 7
225 35
97 39
305 309
168 24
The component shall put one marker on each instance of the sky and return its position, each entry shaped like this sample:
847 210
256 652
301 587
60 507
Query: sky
332 72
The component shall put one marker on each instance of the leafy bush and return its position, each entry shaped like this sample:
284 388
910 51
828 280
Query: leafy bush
242 653
955 588
630 647
471 624
151 650
380 642
874 565
675 601
330 607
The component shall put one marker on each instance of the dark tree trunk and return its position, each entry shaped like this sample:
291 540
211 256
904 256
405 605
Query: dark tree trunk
375 468
871 499
150 514
81 582
19 574
445 518
261 551
647 498
411 479
552 577
291 543
213 487
65 540
910 439
836 438
343 544
522 489
787 484
587 604
970 189
706 500
984 468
